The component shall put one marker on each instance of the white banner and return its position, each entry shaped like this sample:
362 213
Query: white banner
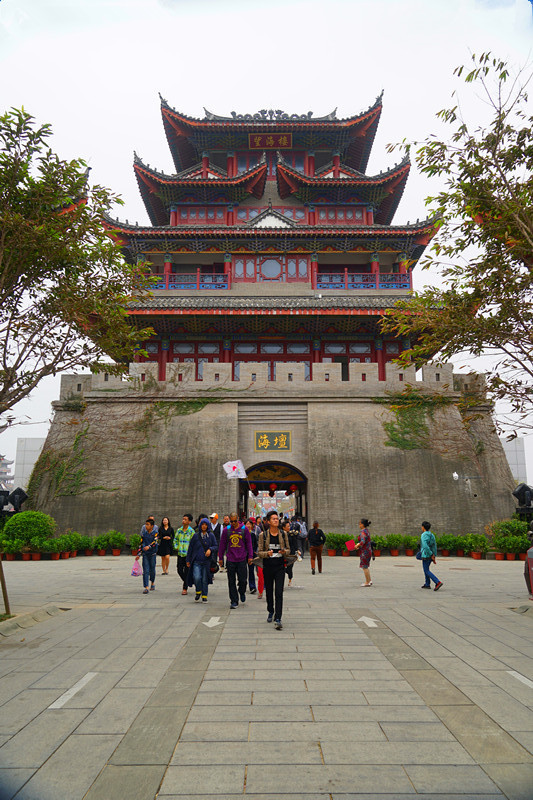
234 469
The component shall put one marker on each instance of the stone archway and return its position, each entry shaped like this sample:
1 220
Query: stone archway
266 474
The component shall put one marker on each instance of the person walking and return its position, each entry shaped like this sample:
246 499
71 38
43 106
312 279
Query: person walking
304 535
199 553
294 542
225 524
273 546
236 546
166 538
365 547
250 524
181 544
295 530
149 554
317 539
428 554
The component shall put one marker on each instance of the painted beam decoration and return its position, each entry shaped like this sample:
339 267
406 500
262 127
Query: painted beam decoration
269 141
266 441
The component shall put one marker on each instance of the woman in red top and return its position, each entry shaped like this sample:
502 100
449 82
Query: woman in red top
365 549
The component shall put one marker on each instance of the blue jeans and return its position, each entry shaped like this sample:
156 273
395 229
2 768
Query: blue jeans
251 576
149 560
200 576
427 573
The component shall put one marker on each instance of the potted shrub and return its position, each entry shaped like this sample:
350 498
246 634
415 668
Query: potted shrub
63 542
331 543
394 541
75 540
27 525
116 541
524 547
513 546
101 543
86 544
51 546
446 543
477 544
379 545
36 545
11 547
411 544
460 544
498 543
135 543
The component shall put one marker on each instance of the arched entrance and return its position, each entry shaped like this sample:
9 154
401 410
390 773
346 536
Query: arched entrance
273 484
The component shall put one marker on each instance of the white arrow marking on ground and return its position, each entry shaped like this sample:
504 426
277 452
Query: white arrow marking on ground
212 622
369 622
60 702
520 678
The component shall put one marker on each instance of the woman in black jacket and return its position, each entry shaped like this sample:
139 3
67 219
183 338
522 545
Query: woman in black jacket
166 537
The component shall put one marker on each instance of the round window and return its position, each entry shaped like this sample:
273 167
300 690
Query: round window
271 269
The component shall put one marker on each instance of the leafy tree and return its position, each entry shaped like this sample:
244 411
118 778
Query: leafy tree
484 245
64 284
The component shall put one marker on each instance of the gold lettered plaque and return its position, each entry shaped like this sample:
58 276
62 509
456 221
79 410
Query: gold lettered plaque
267 441
269 141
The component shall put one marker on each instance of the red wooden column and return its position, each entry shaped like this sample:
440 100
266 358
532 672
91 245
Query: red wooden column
336 163
231 164
173 216
205 164
314 269
374 266
226 349
311 215
227 268
167 269
230 215
402 258
370 215
311 163
317 345
378 344
163 359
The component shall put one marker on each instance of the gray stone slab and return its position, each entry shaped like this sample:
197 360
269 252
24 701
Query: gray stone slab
13 683
343 713
398 752
215 732
122 659
229 698
236 686
66 674
430 796
416 732
503 709
40 738
73 768
24 707
144 674
434 689
461 779
328 778
360 683
11 781
386 698
515 780
525 738
315 731
188 753
224 779
115 713
131 782
248 713
152 737
483 738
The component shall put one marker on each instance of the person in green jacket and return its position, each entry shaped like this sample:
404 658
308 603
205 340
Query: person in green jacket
428 551
181 544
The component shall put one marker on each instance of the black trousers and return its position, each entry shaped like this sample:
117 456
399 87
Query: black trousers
182 569
236 570
274 580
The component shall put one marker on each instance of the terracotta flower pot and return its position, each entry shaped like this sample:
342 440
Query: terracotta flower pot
476 554
66 554
499 556
330 553
26 556
101 552
10 556
116 551
345 552
511 556
460 553
377 553
394 551
54 556
73 553
89 552
35 556
445 553
522 556
409 551
136 552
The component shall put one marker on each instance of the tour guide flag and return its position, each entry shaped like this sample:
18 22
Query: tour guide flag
234 469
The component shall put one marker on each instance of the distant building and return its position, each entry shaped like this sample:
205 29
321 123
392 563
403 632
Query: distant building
28 451
516 456
6 478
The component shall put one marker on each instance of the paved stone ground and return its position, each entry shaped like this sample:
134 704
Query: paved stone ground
436 701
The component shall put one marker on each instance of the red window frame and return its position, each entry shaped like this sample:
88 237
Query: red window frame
248 269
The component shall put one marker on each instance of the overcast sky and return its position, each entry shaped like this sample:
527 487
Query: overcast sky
93 70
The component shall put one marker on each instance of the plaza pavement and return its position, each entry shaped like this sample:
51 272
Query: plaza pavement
436 701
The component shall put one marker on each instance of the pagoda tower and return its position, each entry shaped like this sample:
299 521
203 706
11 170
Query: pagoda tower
275 258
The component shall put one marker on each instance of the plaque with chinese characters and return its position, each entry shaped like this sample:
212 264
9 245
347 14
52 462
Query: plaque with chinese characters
269 141
272 440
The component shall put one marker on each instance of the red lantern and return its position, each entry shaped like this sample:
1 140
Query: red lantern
293 488
253 487
273 487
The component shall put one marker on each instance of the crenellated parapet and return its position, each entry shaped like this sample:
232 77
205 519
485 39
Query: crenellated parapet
327 381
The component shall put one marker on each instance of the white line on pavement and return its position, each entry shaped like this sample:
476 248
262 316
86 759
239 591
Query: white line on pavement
60 702
520 678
